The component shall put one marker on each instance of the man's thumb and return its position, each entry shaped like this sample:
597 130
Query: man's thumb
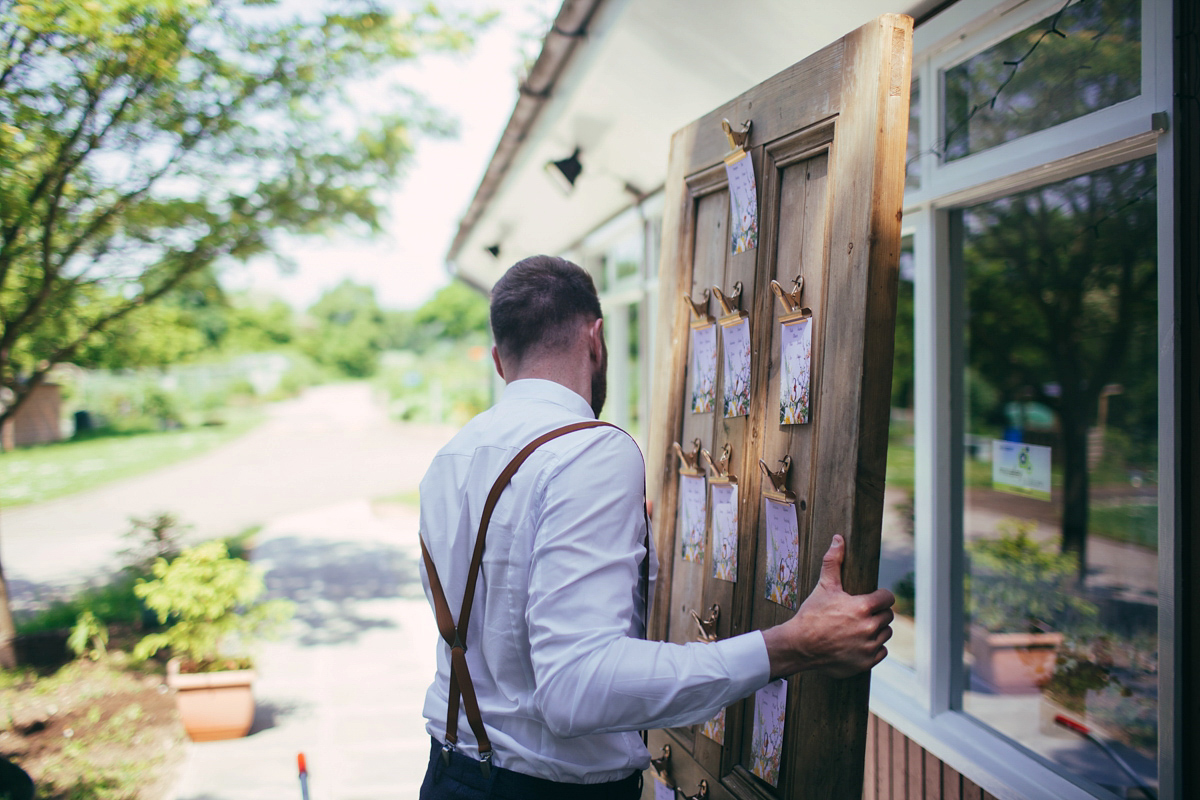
831 564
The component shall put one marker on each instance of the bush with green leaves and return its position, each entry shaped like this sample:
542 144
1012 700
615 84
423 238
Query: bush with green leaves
211 600
1019 584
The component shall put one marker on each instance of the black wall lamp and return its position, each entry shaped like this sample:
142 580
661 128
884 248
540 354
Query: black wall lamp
494 250
565 171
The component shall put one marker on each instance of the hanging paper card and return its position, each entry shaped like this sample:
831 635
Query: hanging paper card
715 728
783 552
692 508
770 703
663 792
743 201
736 338
704 368
796 372
725 531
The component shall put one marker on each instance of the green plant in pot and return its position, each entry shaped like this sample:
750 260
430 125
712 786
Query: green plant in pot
1020 595
211 601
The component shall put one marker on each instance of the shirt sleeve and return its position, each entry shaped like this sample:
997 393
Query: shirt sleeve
591 675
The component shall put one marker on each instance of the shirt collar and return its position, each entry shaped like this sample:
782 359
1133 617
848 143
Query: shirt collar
548 391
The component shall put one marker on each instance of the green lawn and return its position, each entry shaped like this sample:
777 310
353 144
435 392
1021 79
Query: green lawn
35 474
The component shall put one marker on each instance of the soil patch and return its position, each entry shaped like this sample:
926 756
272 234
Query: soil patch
92 731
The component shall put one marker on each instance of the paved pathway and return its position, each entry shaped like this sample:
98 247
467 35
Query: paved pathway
332 444
346 685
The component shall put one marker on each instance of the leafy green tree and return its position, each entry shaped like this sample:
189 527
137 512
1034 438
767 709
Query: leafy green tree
347 331
143 141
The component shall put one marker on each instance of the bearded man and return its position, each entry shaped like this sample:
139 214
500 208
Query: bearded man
544 696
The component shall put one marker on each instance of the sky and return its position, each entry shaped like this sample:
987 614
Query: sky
405 264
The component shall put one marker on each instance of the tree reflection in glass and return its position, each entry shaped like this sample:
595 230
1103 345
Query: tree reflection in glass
1085 57
1061 288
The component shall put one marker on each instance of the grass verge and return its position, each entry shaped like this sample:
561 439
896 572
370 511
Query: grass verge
35 474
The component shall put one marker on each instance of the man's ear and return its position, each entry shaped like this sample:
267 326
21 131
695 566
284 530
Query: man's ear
596 339
496 361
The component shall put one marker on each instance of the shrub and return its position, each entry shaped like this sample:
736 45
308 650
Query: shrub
211 598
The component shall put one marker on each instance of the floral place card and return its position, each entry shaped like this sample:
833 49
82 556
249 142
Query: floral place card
704 368
715 728
796 372
783 552
743 202
736 340
770 705
725 530
693 507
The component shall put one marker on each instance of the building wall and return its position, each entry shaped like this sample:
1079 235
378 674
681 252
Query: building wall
900 769
36 421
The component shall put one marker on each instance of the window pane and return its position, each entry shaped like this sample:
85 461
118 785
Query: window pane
912 153
896 560
1085 57
1060 506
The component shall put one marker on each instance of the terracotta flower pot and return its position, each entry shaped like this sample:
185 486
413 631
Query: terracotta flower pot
213 705
1014 663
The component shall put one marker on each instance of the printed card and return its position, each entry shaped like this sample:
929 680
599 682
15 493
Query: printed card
783 552
693 506
770 703
1020 468
704 368
715 728
794 380
736 339
743 204
663 792
725 531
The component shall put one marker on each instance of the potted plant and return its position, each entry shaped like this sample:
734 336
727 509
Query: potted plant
1020 595
211 601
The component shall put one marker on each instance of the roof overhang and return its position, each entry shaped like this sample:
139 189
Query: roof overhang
615 79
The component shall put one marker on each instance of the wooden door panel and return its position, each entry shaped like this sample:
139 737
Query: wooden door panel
827 143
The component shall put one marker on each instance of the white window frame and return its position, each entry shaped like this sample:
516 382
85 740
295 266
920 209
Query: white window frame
924 702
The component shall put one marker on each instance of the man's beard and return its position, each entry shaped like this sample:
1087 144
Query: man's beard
600 381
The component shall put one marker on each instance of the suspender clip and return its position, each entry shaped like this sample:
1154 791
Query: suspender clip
485 764
447 749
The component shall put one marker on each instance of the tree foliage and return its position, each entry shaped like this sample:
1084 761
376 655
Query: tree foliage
144 141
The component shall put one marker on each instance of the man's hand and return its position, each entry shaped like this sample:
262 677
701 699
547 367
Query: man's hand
834 632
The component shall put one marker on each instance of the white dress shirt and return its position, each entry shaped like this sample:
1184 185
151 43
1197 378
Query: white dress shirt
563 677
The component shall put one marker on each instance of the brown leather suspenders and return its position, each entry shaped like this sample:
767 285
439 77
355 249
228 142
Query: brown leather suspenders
456 635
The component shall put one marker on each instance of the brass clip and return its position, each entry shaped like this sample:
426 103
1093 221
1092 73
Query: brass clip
699 795
699 311
791 300
779 490
707 625
729 305
662 765
689 463
720 466
738 140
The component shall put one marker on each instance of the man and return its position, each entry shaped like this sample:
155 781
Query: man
564 679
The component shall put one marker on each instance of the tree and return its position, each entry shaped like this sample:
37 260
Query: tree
1062 303
143 141
347 331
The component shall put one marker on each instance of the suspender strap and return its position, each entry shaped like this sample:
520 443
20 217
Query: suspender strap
456 635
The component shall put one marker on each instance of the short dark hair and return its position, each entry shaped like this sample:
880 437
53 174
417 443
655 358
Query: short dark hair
536 304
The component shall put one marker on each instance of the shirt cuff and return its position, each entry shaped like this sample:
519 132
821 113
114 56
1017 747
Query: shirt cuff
747 660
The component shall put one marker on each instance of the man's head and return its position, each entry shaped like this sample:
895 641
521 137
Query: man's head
540 308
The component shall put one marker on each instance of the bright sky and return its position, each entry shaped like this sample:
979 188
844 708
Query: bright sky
405 264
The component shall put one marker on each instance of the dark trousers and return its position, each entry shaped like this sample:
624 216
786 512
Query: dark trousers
462 779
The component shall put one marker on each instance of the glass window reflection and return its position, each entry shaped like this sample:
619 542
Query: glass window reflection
1085 57
1060 505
